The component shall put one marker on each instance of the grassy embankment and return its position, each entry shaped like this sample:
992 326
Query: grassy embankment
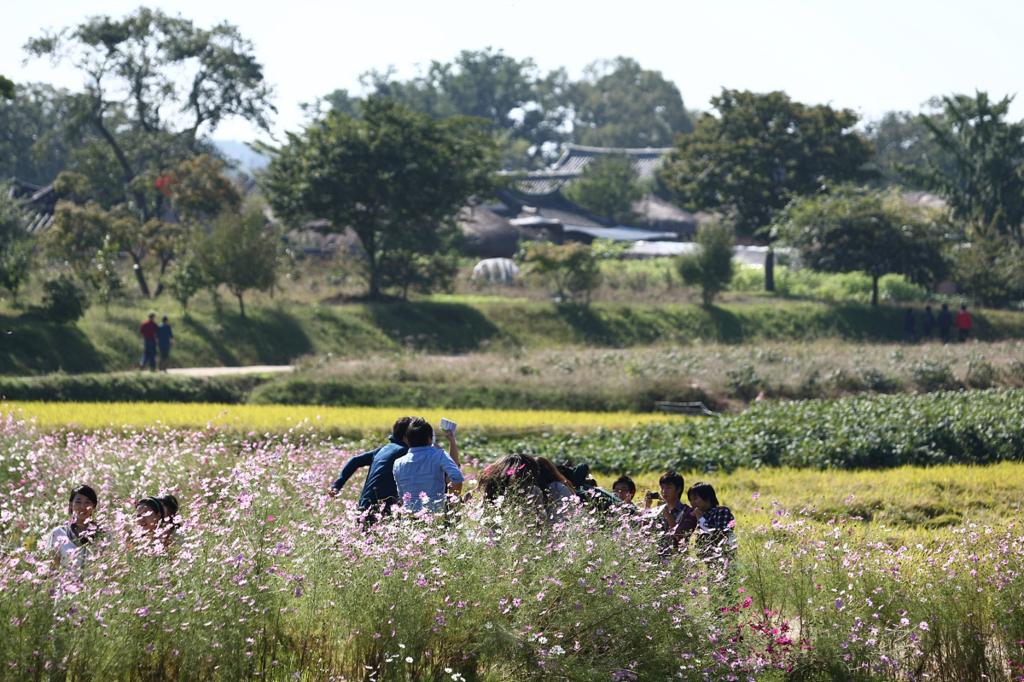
319 335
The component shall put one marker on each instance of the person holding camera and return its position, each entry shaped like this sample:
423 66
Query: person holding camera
672 517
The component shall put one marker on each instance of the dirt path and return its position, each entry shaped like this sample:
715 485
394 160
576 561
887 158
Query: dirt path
225 371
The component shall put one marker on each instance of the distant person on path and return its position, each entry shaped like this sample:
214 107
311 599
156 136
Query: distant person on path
421 474
964 323
927 323
165 339
380 491
148 329
944 322
909 327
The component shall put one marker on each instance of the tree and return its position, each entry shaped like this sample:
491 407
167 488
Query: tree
902 140
103 275
16 246
572 268
6 88
36 145
853 229
608 186
240 252
186 279
396 177
982 176
710 265
620 104
759 152
157 86
990 268
526 113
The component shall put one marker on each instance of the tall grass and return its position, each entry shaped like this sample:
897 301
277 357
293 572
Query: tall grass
271 579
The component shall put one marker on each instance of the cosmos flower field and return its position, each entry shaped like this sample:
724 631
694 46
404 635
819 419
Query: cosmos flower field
271 579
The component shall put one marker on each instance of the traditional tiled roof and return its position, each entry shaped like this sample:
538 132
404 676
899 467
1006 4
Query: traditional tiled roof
39 199
576 157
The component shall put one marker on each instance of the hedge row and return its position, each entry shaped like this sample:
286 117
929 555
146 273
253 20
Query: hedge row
869 432
140 387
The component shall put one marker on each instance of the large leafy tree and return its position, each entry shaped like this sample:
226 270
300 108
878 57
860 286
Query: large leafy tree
759 152
902 140
851 229
156 87
525 112
395 176
981 172
36 143
608 186
620 104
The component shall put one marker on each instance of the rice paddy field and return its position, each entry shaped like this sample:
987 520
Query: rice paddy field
900 573
350 420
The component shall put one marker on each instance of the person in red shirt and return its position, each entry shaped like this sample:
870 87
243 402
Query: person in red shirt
963 323
148 330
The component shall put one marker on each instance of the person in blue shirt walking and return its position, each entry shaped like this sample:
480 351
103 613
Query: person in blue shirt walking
422 475
164 339
379 490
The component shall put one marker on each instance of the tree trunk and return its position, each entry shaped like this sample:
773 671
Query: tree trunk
241 306
769 270
874 290
140 276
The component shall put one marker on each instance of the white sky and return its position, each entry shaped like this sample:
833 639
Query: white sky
871 56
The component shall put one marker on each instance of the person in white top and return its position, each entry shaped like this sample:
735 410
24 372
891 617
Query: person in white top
71 542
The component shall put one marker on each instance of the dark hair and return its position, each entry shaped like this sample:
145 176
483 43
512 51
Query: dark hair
170 506
672 478
963 307
945 306
549 474
400 427
164 319
154 504
419 433
704 491
497 480
86 492
627 480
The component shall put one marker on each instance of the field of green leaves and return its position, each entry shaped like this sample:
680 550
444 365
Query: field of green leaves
868 432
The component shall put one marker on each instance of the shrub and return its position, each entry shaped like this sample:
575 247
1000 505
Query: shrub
932 375
710 266
571 268
63 300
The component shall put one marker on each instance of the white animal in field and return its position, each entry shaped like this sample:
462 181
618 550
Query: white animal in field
496 270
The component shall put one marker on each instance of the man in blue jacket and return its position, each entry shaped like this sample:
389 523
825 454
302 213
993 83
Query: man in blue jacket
380 489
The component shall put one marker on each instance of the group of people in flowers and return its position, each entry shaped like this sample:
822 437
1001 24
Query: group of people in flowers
410 476
157 519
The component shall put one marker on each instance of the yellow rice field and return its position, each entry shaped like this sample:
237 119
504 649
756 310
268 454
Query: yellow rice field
260 417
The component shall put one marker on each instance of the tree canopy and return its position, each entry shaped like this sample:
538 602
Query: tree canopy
620 104
852 229
981 173
156 87
395 176
760 151
608 186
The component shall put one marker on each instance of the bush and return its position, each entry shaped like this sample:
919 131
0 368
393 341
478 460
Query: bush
143 387
571 268
710 267
63 301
